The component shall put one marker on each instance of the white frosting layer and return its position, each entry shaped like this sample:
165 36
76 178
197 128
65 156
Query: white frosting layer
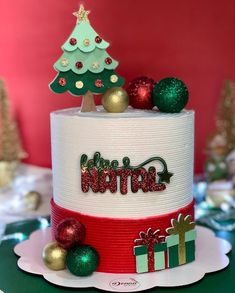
137 134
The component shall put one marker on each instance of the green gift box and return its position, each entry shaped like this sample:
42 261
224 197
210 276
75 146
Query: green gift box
190 237
174 251
159 256
141 254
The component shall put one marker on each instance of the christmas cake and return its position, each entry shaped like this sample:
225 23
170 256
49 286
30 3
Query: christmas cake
122 199
121 174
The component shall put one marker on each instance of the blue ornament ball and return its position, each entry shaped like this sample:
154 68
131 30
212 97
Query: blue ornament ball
170 95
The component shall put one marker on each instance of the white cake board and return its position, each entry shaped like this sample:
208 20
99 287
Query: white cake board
210 257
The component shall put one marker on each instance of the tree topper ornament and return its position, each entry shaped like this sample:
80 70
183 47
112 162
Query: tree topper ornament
85 68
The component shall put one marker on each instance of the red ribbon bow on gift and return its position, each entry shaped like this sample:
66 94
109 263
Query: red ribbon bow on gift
149 239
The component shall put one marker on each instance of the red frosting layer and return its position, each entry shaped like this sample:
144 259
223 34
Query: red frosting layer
114 238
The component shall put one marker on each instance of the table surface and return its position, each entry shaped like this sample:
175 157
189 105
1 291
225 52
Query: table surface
28 178
14 280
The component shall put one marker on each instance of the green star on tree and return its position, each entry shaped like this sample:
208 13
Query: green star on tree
165 176
85 68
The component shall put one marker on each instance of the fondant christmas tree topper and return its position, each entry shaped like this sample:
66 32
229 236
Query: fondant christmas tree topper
85 68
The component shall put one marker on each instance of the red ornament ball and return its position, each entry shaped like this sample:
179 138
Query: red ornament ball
99 83
62 81
108 60
140 92
79 65
69 233
73 41
98 39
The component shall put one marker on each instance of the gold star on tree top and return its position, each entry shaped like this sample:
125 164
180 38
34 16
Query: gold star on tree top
82 14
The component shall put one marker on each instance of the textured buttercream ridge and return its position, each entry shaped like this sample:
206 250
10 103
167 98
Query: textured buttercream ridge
129 113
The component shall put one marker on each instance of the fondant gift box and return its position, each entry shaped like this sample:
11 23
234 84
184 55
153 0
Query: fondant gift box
180 254
155 252
157 258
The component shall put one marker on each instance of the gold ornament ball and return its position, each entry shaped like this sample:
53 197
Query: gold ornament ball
64 62
31 200
95 65
54 256
115 100
86 42
79 84
113 78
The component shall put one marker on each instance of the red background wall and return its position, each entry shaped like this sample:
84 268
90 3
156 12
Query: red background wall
190 39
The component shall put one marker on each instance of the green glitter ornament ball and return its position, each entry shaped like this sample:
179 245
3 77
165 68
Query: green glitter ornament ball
170 95
82 260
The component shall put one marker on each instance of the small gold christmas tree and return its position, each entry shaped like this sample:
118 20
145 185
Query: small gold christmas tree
10 147
225 121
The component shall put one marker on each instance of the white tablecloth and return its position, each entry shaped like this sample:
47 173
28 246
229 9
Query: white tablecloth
28 178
